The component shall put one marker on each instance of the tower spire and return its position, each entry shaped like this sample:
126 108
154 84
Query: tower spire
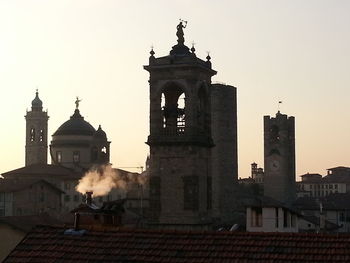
36 133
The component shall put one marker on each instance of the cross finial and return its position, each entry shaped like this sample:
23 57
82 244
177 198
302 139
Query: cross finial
279 103
208 56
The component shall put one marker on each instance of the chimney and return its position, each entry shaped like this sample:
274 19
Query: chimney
89 198
76 221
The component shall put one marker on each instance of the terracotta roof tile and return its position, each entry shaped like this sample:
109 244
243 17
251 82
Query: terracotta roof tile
49 244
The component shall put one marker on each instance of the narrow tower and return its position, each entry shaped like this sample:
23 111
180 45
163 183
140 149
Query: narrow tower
279 157
36 133
180 137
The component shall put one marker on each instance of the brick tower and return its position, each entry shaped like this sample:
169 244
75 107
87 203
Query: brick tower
279 157
180 138
36 133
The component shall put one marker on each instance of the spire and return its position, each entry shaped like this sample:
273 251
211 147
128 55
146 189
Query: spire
37 104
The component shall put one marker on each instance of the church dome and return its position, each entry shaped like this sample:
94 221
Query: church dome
100 134
76 125
37 103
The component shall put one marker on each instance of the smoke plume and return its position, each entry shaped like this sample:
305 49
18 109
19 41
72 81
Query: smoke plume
101 180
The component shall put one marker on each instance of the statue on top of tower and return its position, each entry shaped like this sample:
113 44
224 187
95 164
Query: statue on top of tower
77 103
180 32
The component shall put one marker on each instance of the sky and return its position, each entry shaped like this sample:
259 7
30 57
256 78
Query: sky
294 51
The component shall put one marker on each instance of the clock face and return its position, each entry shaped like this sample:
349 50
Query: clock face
275 165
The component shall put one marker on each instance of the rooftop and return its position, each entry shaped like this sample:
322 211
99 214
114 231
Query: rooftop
50 244
38 170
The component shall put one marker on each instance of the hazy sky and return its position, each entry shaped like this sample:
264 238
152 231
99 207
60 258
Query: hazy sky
295 51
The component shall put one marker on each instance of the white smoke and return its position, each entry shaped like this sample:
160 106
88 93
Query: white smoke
101 180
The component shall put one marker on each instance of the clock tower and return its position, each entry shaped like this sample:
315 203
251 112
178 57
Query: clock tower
279 157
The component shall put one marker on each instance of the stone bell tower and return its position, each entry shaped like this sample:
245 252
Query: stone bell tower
279 158
36 133
180 138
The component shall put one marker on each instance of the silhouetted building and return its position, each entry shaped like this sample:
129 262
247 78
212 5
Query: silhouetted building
257 174
76 144
337 180
279 158
36 133
192 167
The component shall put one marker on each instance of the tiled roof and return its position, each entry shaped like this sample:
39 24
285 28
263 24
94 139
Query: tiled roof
26 223
37 170
50 244
14 185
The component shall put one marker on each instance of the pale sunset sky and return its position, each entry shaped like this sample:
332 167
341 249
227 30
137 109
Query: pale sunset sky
294 51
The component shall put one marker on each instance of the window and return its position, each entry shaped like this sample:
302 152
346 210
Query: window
256 217
310 186
41 136
274 133
293 220
32 134
59 156
335 186
341 217
330 186
76 156
173 109
41 197
76 198
209 192
67 198
285 218
190 188
276 217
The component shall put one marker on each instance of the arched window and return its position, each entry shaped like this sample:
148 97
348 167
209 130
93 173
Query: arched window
274 132
274 151
41 136
32 134
173 104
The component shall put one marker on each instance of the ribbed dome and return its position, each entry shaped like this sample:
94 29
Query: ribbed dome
37 104
75 126
100 134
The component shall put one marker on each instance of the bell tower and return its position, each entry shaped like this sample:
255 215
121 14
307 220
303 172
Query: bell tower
180 137
279 157
36 133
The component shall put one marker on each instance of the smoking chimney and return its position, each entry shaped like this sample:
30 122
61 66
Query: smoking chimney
89 198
